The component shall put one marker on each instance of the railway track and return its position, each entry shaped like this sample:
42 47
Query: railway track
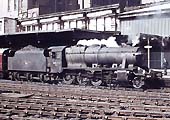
24 100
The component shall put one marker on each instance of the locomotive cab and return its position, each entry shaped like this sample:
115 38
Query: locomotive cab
56 60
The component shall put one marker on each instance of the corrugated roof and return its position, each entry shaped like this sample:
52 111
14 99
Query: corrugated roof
153 9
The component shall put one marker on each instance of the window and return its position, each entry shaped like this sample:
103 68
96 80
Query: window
34 3
54 55
33 28
70 2
21 4
0 25
59 0
15 4
9 5
24 28
28 28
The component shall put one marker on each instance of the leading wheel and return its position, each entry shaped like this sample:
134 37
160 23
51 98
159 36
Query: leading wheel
138 82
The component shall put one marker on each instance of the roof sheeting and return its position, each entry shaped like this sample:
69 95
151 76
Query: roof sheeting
153 9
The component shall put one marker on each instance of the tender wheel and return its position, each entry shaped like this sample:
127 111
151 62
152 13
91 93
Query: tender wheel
42 77
11 76
28 77
138 82
82 80
96 82
16 76
69 79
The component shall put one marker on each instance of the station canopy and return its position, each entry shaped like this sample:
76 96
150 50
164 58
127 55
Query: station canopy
51 38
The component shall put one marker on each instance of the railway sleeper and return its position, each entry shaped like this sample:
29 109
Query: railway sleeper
71 115
4 111
4 117
99 117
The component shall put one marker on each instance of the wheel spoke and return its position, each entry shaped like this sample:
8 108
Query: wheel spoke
55 79
16 76
96 82
42 77
82 80
138 82
11 76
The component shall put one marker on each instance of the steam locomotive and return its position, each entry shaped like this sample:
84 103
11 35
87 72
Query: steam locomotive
96 65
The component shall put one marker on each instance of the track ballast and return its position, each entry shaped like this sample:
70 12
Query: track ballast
24 100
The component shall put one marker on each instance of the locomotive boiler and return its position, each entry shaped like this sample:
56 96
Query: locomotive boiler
83 65
82 56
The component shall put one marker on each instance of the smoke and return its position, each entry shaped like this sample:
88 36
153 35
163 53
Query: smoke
133 39
110 42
